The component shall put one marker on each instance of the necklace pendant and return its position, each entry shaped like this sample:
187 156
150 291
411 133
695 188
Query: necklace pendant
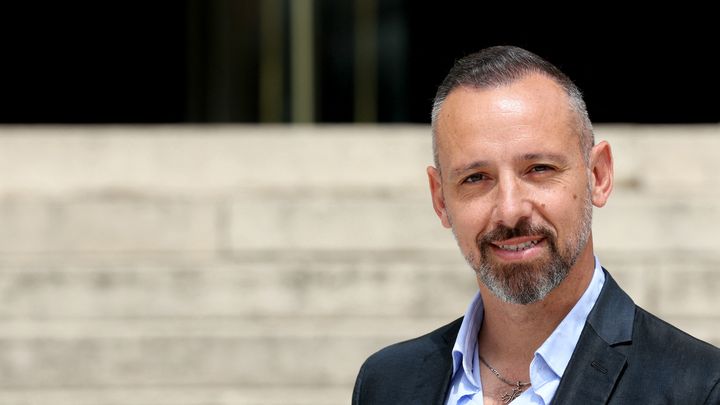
510 396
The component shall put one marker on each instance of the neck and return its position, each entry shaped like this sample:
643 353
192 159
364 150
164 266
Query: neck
511 333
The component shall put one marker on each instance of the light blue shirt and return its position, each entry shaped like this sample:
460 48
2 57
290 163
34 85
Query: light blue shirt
548 364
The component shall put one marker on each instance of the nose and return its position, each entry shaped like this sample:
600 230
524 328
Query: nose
512 202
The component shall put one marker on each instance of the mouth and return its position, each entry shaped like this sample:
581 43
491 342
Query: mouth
518 248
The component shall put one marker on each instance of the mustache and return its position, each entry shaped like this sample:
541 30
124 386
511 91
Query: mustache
522 228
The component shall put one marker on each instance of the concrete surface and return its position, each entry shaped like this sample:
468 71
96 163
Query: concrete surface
188 265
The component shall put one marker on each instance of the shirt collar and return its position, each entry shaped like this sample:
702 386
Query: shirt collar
466 341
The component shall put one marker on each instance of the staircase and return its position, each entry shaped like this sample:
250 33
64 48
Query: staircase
219 265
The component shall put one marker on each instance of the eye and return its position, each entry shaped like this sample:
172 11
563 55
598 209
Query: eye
475 178
541 169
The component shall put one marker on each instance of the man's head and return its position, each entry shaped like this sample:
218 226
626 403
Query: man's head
516 171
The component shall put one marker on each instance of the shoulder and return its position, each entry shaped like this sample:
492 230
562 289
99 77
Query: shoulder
660 363
682 367
654 336
409 349
413 350
392 373
630 328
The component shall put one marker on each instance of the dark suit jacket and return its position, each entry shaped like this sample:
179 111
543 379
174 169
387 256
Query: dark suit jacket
625 355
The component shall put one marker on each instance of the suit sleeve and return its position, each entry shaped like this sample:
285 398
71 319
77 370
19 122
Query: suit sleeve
358 386
714 396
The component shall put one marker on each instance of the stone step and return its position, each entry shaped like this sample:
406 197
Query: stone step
207 160
193 160
87 362
629 222
109 223
657 223
316 353
664 159
202 353
416 284
315 221
287 328
275 394
383 329
363 287
188 265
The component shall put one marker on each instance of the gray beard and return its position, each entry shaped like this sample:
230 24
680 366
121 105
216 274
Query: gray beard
530 282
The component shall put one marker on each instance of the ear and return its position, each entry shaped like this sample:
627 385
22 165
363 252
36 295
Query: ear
438 200
601 164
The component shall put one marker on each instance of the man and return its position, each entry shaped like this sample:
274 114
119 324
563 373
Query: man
516 175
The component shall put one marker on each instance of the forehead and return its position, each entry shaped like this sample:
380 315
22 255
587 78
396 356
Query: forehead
530 115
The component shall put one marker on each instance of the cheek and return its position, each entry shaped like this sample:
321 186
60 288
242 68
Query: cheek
468 220
559 209
564 214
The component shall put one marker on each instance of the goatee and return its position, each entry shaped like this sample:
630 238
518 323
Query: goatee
525 283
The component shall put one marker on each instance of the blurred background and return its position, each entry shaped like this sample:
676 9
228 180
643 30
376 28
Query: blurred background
224 202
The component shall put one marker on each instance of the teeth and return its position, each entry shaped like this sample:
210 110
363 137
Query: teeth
522 246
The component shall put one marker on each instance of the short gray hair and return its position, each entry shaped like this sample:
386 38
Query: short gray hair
501 65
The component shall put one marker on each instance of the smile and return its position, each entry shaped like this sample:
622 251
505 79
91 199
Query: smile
519 246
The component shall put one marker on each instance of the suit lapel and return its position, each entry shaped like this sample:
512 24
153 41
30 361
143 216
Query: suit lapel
596 366
592 373
433 380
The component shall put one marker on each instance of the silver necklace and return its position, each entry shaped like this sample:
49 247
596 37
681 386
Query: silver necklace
517 387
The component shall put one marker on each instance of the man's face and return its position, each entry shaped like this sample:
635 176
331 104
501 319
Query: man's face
513 185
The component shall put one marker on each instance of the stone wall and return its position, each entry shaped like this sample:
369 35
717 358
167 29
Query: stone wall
189 265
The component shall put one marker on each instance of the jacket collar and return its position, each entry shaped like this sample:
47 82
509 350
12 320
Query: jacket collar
433 380
614 313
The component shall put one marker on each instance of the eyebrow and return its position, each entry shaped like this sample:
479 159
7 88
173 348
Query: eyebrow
554 157
474 165
478 164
